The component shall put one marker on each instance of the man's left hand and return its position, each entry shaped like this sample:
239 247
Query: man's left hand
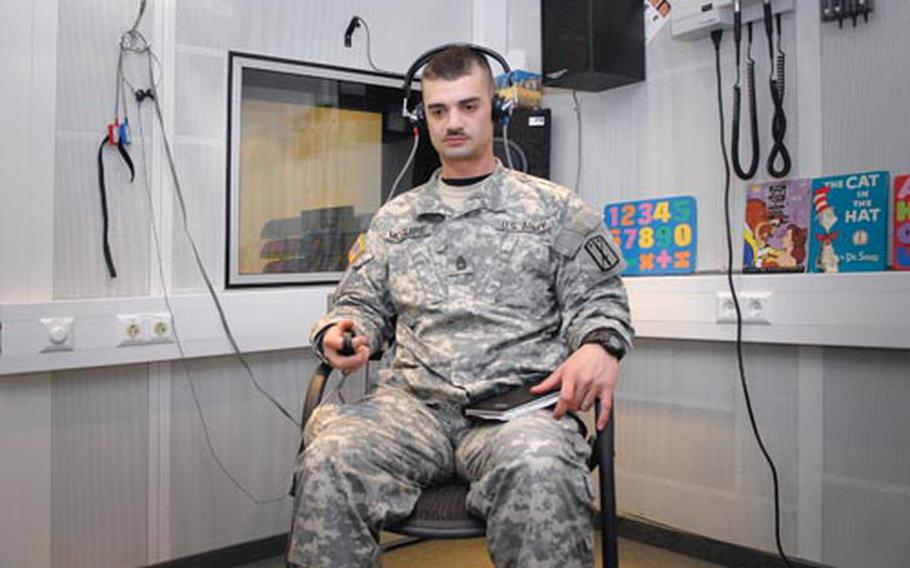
588 374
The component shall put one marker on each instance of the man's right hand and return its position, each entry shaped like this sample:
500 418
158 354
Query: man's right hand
332 342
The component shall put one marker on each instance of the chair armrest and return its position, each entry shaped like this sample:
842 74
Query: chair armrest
315 391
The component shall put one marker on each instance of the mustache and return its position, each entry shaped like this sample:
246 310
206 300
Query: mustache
458 132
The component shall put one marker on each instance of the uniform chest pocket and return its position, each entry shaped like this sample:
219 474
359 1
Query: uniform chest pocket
521 273
414 275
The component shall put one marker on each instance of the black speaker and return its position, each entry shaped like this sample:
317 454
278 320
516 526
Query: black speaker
529 141
592 45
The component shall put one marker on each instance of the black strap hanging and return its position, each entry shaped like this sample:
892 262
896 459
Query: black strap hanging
106 141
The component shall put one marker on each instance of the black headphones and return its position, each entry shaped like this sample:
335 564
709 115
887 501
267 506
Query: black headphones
501 108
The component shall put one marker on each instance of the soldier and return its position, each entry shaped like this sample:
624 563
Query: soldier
486 279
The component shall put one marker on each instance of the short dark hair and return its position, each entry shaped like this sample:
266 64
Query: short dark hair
456 62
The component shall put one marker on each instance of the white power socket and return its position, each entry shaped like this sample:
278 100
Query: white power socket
144 329
753 305
131 330
160 328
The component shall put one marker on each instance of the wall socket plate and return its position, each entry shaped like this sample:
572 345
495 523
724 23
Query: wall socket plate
144 329
753 305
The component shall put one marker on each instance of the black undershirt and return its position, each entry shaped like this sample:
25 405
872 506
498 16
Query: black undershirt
461 182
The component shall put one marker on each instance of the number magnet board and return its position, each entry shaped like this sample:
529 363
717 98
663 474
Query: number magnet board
656 236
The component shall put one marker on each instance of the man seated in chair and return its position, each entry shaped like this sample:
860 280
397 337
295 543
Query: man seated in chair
486 279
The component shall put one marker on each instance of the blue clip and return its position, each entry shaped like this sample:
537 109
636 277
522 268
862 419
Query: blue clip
124 132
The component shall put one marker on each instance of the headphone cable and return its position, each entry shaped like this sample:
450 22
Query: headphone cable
182 361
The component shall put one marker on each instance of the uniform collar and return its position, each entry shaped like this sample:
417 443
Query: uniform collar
490 195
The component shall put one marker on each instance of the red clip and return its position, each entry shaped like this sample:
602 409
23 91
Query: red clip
111 133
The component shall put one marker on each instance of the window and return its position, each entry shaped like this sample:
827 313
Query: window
313 150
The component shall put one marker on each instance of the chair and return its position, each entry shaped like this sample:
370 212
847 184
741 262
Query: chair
440 512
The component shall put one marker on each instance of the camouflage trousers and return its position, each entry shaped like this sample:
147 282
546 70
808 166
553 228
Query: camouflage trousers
365 464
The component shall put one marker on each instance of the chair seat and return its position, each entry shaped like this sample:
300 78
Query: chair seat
440 512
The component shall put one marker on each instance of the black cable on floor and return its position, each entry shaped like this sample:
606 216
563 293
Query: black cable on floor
716 38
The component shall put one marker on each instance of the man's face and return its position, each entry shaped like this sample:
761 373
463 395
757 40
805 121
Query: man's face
458 116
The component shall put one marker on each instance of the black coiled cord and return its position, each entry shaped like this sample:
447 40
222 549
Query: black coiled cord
779 149
753 114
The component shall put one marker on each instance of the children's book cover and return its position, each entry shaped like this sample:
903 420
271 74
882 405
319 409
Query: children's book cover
849 225
776 227
901 223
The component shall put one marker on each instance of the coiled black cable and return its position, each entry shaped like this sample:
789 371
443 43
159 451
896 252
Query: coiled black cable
753 113
779 151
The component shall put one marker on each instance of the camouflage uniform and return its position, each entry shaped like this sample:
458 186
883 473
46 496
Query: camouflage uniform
479 300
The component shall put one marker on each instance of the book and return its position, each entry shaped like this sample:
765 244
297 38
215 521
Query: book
850 222
776 228
901 223
512 404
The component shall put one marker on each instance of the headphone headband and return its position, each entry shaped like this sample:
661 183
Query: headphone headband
425 58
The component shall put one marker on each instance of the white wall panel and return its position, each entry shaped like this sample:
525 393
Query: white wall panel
866 481
865 526
254 441
99 467
28 55
201 104
25 471
867 415
314 30
87 61
80 269
200 166
683 436
864 77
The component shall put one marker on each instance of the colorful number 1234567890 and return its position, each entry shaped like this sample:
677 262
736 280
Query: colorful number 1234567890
657 236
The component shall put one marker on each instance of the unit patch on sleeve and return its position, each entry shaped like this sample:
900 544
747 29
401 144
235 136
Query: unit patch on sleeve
604 256
357 249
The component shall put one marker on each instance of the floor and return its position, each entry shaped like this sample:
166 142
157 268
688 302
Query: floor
473 554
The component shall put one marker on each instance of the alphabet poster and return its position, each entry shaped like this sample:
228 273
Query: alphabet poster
656 236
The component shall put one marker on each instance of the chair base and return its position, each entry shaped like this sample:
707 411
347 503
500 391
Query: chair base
440 512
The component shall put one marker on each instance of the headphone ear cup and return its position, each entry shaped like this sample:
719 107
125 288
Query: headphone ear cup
496 108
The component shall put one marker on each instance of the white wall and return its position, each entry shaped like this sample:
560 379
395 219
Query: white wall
834 419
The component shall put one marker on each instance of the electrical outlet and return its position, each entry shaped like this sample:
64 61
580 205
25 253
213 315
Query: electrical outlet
160 328
58 334
131 330
753 305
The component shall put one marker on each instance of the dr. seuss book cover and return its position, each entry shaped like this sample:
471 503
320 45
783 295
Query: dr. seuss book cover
901 223
776 227
849 223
